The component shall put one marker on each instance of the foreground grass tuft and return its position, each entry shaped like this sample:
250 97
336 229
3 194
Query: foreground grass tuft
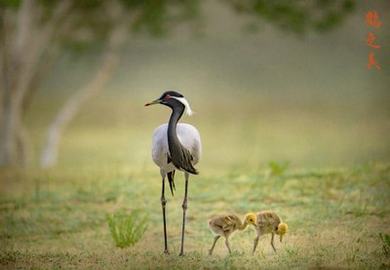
127 229
386 243
277 168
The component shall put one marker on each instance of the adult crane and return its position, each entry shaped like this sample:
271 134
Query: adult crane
175 146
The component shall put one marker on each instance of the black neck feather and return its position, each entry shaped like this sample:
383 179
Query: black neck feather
180 156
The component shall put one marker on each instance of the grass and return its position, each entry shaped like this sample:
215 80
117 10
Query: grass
386 243
335 218
127 229
335 201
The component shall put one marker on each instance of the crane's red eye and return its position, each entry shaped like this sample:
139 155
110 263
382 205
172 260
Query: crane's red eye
167 97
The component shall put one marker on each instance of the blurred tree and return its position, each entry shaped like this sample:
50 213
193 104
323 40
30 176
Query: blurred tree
297 16
34 32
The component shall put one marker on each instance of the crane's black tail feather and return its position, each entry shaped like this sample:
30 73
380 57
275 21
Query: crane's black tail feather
171 180
192 170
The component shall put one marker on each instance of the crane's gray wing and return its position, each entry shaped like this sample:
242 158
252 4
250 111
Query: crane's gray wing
186 153
189 137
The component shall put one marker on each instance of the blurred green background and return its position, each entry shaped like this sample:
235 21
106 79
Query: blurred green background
258 96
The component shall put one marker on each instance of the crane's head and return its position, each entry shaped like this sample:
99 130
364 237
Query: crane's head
173 100
282 230
250 218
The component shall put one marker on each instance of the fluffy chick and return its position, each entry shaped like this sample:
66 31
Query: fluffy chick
225 226
266 222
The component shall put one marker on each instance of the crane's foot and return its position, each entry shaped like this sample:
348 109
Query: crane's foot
166 252
181 254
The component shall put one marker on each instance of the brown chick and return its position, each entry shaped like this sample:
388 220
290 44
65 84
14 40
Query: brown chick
226 225
267 222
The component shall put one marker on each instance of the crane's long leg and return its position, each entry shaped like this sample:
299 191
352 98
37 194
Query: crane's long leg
272 242
256 241
163 204
184 206
215 241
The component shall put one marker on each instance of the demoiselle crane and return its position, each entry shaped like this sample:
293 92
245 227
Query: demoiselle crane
175 147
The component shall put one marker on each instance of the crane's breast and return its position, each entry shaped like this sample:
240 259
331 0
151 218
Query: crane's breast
189 137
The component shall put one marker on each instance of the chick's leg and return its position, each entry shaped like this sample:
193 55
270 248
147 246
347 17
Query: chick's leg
215 241
228 245
255 242
272 242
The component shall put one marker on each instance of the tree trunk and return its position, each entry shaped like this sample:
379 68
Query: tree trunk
9 118
15 147
71 107
22 44
13 138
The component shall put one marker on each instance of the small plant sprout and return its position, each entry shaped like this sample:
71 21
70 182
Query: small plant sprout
127 229
385 243
277 168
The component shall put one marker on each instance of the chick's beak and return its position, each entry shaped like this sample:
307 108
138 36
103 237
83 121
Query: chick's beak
157 101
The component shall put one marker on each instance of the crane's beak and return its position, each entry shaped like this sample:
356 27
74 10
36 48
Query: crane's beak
157 101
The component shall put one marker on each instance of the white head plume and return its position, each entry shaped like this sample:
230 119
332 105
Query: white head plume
187 107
